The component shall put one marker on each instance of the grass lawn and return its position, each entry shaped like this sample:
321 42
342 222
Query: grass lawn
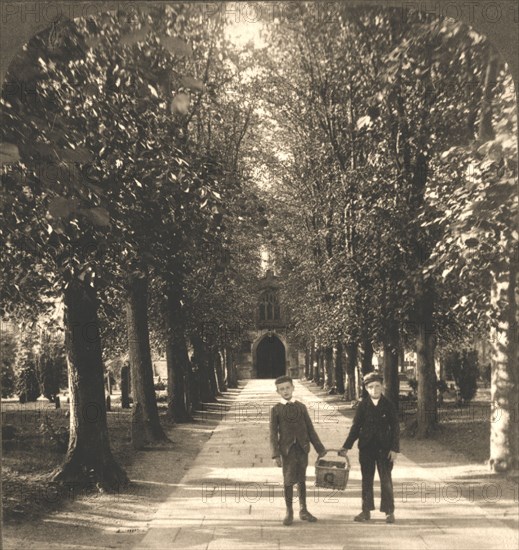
30 457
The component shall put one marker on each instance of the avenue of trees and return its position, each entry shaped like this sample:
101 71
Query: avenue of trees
394 219
385 145
125 199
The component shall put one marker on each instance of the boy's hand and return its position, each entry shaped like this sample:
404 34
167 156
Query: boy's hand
343 452
393 455
277 461
322 453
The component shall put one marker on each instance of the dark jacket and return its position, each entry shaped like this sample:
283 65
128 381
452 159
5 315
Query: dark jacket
375 426
291 423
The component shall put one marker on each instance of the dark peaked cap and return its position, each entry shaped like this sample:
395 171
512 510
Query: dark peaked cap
372 377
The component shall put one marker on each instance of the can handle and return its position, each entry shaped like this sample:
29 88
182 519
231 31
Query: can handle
347 460
335 450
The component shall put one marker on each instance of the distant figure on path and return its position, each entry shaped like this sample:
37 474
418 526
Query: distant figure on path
291 431
376 427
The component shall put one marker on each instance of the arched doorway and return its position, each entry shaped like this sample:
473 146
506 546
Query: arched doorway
270 358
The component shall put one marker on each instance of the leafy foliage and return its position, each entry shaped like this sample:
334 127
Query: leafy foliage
27 383
8 380
52 365
463 367
378 117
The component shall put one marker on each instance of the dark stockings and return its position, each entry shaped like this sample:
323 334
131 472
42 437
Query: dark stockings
289 495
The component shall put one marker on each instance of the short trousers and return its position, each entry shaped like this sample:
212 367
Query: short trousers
294 465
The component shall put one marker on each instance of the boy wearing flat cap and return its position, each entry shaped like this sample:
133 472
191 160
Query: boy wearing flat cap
376 427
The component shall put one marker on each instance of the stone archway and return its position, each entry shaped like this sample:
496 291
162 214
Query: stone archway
270 357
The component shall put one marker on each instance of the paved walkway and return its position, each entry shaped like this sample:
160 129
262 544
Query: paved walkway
231 497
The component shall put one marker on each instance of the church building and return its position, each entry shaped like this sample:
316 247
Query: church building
267 351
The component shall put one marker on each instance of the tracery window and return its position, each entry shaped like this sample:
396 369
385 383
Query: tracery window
269 309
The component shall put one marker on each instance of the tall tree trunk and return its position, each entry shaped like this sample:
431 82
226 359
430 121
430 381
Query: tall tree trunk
140 360
391 347
213 379
427 417
339 370
89 458
366 364
201 360
177 358
329 370
232 375
225 372
307 362
317 362
504 425
367 356
218 367
125 387
322 367
194 386
312 361
351 367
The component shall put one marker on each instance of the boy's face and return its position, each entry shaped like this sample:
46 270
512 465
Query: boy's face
285 389
374 389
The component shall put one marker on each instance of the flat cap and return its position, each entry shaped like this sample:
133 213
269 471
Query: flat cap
372 377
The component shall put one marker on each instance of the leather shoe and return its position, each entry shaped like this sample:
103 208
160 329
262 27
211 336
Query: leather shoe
363 516
390 518
305 515
289 518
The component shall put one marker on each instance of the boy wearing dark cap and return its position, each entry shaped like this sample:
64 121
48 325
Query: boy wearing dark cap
291 432
377 428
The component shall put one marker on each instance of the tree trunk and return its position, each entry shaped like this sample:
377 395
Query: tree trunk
427 417
125 387
391 347
89 458
140 360
317 362
232 375
213 378
367 357
194 387
177 358
329 370
218 364
307 363
366 365
201 360
339 371
313 360
504 426
351 367
322 367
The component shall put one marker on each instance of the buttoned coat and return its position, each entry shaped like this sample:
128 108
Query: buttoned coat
376 426
289 424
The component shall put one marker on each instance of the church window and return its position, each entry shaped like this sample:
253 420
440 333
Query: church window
269 309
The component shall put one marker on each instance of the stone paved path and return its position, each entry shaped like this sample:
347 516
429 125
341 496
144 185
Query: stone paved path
231 497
